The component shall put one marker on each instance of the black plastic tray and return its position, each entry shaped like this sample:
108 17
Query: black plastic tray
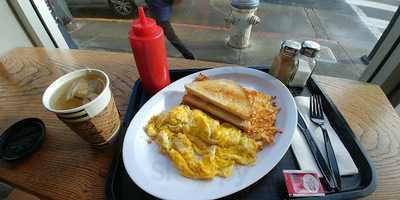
119 186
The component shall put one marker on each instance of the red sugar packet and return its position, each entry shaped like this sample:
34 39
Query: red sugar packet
303 183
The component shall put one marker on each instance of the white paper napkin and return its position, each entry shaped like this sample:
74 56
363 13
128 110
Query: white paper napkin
302 151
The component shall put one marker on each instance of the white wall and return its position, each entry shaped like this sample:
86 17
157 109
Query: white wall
12 34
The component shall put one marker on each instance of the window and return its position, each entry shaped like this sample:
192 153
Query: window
346 29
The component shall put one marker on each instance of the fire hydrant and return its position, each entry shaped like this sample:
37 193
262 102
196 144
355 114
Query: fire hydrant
240 22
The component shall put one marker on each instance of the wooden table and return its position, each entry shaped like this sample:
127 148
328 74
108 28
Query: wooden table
68 168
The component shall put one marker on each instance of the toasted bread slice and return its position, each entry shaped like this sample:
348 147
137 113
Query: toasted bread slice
215 111
225 94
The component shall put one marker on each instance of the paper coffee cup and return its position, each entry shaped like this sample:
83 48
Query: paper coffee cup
97 121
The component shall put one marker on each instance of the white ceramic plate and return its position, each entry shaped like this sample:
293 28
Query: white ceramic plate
155 174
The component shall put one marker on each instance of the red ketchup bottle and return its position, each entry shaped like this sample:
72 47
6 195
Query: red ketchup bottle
147 42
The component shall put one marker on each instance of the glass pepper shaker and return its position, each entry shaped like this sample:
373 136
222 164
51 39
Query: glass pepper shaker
285 63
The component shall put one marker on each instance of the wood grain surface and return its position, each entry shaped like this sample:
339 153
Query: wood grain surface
377 125
66 167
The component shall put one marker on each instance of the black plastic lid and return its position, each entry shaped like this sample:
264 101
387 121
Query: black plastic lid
22 139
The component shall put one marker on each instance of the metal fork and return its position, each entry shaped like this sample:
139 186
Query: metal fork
317 117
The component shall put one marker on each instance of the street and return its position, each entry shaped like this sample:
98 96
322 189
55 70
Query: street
375 14
346 29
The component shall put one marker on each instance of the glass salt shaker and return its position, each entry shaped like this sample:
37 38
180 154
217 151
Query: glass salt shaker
285 63
306 63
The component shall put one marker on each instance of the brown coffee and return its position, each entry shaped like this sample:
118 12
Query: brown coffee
84 102
78 91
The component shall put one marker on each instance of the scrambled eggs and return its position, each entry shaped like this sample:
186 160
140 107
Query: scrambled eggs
199 146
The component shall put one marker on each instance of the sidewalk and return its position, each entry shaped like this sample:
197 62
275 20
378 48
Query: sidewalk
200 25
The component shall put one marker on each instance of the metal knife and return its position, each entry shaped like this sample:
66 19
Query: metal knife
319 159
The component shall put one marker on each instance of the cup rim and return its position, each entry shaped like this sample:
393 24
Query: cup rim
46 98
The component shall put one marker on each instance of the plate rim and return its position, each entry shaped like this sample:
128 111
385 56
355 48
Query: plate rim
224 70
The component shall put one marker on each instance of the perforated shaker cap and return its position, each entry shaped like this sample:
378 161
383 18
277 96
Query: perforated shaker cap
310 48
245 4
290 47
